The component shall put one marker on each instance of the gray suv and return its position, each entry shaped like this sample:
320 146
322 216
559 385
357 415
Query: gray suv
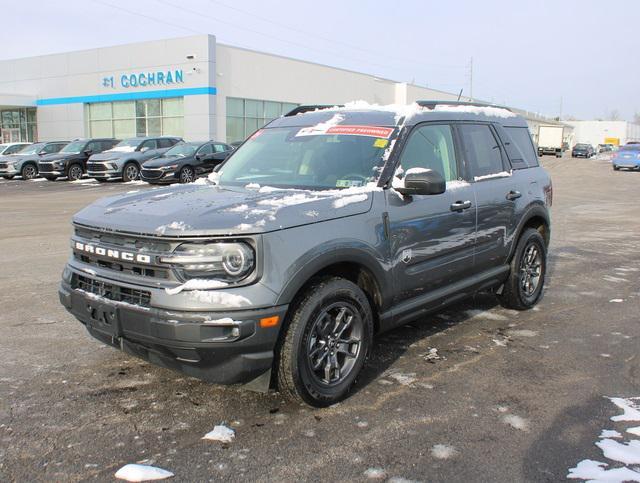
324 228
123 161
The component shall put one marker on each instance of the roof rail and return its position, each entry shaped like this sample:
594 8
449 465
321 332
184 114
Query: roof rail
310 107
432 104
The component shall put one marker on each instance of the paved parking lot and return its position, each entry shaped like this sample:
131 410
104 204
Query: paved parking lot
509 397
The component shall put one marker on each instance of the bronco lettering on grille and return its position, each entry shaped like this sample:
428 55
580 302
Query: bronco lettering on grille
109 253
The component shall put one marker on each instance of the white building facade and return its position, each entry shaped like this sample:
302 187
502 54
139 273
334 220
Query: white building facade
605 132
191 87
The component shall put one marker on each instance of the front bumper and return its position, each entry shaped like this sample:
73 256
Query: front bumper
218 347
159 176
9 170
103 170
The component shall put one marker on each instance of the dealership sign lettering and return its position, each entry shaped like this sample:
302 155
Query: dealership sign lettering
144 79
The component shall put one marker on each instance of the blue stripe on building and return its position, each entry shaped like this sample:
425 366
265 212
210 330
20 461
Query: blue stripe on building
129 96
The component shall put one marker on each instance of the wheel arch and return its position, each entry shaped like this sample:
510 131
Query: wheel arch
536 217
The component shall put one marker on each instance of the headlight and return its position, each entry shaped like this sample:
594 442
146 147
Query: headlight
230 262
171 166
59 164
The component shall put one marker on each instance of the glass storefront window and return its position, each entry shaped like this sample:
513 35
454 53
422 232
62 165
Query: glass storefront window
149 117
18 124
244 116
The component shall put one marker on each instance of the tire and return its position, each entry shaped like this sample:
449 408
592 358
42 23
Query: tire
50 178
130 172
10 176
187 175
311 330
75 172
615 168
29 171
529 258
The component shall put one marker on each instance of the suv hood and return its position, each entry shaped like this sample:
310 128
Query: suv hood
205 209
106 155
56 156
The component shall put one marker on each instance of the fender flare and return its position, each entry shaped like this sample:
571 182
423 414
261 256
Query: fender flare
315 261
536 209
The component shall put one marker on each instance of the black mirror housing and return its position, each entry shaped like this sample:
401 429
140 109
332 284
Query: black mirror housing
427 182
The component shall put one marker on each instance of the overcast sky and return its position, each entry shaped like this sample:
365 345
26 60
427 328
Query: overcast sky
578 55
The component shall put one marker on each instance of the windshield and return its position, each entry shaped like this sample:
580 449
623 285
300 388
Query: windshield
582 146
31 149
301 158
127 145
73 148
181 150
630 147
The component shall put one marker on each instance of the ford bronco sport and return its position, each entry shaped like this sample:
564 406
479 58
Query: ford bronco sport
324 228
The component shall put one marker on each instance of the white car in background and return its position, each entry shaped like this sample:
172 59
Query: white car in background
11 148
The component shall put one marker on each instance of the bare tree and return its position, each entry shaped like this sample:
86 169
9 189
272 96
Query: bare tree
614 115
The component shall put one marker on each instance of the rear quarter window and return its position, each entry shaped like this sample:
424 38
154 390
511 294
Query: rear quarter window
522 140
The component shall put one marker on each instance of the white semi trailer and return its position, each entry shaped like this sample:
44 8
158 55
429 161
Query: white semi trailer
550 139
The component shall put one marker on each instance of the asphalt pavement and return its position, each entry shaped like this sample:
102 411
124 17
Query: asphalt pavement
476 393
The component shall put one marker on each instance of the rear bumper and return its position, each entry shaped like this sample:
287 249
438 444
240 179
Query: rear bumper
218 347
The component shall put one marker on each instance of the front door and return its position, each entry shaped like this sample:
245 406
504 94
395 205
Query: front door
432 236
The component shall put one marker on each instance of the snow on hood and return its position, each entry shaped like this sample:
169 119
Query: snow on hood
208 209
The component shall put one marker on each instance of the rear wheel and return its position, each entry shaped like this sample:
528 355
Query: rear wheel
187 175
523 288
130 172
75 172
29 171
326 342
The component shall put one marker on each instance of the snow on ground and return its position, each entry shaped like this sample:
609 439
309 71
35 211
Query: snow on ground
443 451
616 301
522 333
404 379
375 474
485 314
85 181
619 453
516 422
133 472
220 433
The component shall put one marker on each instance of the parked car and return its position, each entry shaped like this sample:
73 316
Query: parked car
25 161
605 148
582 150
71 161
236 144
627 157
320 230
185 162
123 161
11 148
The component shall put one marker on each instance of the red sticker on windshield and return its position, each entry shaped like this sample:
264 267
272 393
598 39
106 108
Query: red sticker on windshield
373 131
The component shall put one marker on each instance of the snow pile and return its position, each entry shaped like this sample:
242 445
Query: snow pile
174 225
375 474
222 321
443 451
220 433
478 110
347 200
627 453
223 299
516 422
196 284
133 472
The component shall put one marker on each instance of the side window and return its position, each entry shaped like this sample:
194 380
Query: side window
166 143
431 147
51 148
94 147
148 144
220 148
206 149
484 154
106 145
55 148
522 139
14 149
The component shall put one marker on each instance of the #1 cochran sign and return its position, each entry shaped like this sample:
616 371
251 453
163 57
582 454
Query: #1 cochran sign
345 130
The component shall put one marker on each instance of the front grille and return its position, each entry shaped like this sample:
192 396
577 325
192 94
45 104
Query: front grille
111 291
124 267
151 173
96 167
45 167
3 165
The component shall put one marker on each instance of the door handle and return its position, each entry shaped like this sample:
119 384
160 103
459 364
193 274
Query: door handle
460 205
513 195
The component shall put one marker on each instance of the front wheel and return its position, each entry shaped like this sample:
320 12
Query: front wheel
523 288
187 175
75 172
130 172
326 342
615 168
9 176
29 171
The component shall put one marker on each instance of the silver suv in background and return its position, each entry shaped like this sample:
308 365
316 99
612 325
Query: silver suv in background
123 161
25 161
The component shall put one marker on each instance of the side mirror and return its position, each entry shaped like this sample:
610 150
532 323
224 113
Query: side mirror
427 182
88 152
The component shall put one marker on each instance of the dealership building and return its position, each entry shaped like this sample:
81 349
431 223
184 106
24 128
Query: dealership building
192 87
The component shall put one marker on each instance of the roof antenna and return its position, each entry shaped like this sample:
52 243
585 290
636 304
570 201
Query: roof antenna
460 95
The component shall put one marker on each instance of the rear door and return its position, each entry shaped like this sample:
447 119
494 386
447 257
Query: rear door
432 237
202 159
496 193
